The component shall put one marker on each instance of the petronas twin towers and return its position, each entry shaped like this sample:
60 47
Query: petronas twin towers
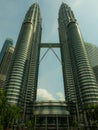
79 81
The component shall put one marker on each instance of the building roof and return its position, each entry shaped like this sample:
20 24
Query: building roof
50 108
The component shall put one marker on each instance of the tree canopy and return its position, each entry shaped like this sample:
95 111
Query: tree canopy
8 113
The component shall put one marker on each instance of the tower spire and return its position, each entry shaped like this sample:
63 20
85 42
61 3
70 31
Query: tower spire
26 57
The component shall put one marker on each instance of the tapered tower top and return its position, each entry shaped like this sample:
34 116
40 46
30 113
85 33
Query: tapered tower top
66 14
31 13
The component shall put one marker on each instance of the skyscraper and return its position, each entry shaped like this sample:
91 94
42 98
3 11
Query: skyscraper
92 51
79 81
8 42
5 57
22 78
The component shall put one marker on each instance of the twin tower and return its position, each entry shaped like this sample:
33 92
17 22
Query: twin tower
79 81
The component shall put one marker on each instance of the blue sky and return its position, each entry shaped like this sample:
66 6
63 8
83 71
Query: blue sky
12 12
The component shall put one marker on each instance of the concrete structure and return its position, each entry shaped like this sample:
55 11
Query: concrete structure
95 69
50 116
8 42
79 80
5 58
92 51
21 83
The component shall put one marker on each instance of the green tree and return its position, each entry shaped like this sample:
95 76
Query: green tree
3 104
29 124
12 115
92 114
8 113
91 111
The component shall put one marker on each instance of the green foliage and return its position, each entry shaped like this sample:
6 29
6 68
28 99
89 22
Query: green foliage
1 127
75 123
8 113
29 124
92 112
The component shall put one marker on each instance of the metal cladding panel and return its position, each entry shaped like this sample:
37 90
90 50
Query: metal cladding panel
24 66
50 108
8 42
92 51
71 41
51 112
19 59
33 11
5 64
87 86
64 18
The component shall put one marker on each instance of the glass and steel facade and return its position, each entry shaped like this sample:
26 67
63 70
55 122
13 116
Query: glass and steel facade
50 116
68 77
92 51
22 78
8 42
5 62
81 82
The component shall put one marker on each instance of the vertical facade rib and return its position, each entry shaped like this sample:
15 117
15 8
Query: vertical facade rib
8 50
69 85
8 42
84 80
92 51
21 83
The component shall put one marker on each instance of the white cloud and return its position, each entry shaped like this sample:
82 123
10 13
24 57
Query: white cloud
60 95
50 74
43 94
76 3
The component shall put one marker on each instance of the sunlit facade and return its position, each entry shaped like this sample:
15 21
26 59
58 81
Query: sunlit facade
8 42
92 51
79 80
80 85
50 116
21 84
5 60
